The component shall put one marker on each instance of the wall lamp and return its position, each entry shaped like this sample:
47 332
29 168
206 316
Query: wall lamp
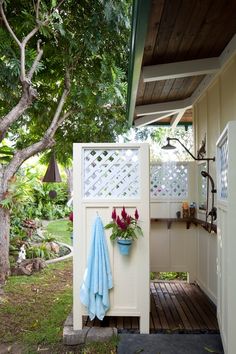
168 146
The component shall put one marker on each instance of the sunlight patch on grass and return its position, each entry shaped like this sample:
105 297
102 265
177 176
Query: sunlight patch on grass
59 229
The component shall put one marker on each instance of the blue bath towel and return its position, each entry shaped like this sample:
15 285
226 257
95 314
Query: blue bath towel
94 292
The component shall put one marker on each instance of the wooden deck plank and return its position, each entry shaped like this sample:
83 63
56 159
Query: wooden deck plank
196 301
135 323
166 307
159 307
178 324
127 322
179 308
195 309
154 318
120 323
196 323
175 306
113 321
206 304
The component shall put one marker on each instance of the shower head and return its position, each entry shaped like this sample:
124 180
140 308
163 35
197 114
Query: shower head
168 146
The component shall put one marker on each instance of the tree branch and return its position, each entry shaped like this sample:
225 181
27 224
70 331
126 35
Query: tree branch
59 5
22 51
7 25
36 61
65 115
37 10
47 141
29 93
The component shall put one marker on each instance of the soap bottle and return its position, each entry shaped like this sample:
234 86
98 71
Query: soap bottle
185 210
192 210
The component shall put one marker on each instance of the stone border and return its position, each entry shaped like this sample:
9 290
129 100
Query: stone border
63 258
87 334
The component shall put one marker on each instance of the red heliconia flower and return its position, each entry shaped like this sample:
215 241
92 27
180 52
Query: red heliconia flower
124 214
136 214
128 220
118 221
123 225
113 215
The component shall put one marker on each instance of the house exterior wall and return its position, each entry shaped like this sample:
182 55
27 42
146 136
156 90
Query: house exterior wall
214 109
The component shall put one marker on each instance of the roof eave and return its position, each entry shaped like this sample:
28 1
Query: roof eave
140 17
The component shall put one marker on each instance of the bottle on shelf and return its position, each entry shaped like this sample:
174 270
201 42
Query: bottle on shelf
185 210
192 210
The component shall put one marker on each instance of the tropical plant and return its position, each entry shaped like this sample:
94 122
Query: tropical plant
124 226
59 82
40 251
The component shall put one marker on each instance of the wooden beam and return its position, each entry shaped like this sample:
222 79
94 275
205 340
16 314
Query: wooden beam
176 118
164 107
180 69
151 118
224 58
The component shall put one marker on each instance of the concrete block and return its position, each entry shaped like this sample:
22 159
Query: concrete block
69 320
72 337
99 334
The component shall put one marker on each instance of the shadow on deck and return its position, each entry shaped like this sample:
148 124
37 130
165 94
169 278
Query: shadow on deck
176 307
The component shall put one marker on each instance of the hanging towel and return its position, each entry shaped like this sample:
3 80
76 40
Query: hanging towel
94 292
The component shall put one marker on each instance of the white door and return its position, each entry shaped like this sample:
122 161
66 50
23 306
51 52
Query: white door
226 236
108 176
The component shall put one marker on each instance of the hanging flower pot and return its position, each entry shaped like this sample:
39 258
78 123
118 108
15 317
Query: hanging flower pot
124 246
124 229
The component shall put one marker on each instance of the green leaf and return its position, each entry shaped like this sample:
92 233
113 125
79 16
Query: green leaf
209 350
53 3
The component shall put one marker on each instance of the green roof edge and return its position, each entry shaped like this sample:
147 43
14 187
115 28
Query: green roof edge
140 16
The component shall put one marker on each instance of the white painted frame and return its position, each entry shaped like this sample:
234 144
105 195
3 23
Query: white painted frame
130 295
226 245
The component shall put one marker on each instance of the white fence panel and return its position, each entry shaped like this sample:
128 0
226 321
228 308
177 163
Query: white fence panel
108 176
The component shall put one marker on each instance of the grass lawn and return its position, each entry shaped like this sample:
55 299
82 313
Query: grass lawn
33 310
59 229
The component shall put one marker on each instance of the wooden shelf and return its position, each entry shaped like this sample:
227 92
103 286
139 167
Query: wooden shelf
188 221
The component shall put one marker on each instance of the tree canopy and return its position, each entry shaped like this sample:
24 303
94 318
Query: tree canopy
63 70
87 39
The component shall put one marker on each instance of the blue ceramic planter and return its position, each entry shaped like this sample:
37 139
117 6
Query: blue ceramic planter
124 246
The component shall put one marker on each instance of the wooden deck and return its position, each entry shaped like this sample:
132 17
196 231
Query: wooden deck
176 307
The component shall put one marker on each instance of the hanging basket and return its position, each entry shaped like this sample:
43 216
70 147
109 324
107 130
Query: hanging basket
124 246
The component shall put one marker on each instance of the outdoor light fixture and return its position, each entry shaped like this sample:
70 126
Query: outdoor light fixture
168 146
52 174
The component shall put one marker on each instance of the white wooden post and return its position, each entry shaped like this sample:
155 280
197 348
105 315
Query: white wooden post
108 176
226 226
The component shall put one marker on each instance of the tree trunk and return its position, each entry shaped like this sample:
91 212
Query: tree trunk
69 174
4 237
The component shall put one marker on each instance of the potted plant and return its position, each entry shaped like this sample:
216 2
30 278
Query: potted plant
124 229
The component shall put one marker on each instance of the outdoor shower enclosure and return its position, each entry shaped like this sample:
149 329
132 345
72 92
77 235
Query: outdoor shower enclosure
108 176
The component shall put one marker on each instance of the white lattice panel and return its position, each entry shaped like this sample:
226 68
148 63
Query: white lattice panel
111 173
169 180
224 170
